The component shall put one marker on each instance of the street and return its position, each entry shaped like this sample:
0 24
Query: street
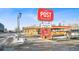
37 44
47 45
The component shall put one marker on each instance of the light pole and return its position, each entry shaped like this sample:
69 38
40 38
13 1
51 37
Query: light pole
18 25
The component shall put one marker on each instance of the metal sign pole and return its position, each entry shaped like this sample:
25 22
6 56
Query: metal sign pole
18 25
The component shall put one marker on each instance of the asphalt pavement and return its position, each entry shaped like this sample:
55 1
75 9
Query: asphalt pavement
37 44
48 45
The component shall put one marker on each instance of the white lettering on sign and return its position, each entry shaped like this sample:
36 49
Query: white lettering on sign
45 14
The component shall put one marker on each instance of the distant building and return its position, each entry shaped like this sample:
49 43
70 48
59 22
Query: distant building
74 27
1 27
35 30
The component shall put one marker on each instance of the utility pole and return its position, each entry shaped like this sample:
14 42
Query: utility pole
18 25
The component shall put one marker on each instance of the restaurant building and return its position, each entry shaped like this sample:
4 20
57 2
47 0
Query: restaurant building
55 30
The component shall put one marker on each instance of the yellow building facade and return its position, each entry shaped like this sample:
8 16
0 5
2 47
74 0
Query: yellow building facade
55 30
30 31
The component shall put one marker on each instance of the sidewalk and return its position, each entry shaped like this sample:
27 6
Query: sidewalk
54 41
65 42
74 42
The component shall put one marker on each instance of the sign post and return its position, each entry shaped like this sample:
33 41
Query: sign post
45 15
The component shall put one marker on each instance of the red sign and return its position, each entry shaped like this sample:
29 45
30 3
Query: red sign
45 32
45 14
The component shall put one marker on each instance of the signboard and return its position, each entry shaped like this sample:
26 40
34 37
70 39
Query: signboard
46 25
45 14
46 33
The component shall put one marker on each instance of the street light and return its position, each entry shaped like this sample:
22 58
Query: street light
18 25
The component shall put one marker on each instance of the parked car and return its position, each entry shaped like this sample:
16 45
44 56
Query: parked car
75 34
